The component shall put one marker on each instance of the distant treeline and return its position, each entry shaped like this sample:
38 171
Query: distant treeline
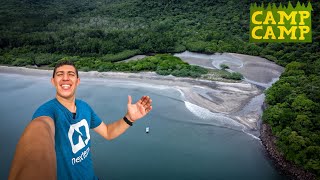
163 64
41 32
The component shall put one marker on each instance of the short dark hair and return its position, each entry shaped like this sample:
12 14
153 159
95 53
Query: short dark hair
62 63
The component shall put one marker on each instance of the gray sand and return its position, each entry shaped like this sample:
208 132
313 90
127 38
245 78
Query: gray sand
256 70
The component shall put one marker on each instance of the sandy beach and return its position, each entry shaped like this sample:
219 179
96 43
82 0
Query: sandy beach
239 101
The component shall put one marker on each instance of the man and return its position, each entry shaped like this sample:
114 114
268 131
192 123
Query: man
56 143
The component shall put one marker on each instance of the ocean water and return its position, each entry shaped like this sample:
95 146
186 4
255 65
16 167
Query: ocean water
184 142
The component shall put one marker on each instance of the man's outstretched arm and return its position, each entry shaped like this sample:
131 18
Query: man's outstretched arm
134 112
35 156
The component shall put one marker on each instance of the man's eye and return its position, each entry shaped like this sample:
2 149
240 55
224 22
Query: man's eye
59 74
71 74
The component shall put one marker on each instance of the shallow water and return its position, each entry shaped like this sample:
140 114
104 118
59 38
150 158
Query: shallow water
181 144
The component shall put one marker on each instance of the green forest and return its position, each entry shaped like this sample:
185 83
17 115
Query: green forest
98 34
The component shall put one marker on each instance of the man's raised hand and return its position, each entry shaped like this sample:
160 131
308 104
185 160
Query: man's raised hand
139 109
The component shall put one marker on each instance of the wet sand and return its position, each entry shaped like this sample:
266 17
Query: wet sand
256 70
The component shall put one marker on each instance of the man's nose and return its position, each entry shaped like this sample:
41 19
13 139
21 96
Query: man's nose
65 77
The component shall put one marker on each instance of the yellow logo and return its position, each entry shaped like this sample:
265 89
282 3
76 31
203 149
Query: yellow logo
280 24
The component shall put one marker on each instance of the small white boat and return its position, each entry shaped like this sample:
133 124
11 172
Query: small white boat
147 129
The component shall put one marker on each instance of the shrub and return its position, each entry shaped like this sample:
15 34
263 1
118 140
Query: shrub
224 66
233 75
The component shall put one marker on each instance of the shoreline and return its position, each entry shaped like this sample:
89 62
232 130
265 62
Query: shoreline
239 101
221 98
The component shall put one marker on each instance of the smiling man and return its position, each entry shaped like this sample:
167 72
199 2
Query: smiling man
56 143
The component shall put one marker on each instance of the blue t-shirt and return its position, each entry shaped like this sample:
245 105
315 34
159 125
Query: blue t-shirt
72 138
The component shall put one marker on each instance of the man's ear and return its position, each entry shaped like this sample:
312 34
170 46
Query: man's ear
52 81
78 81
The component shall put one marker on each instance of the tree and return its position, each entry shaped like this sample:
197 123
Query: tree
303 104
278 93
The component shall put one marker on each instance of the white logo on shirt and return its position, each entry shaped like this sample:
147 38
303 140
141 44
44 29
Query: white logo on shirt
81 142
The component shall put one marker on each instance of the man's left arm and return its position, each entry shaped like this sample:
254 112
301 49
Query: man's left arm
134 112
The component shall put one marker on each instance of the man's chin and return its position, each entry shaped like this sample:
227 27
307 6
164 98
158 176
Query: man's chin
65 95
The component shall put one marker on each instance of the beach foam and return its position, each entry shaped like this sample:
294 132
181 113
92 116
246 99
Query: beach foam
217 119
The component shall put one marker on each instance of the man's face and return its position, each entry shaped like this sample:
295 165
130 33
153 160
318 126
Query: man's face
66 81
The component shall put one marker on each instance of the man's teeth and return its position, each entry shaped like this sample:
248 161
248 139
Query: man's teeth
65 86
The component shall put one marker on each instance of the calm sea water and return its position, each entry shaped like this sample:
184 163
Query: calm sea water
180 144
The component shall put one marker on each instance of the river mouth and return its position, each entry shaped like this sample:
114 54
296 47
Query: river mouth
257 71
234 105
